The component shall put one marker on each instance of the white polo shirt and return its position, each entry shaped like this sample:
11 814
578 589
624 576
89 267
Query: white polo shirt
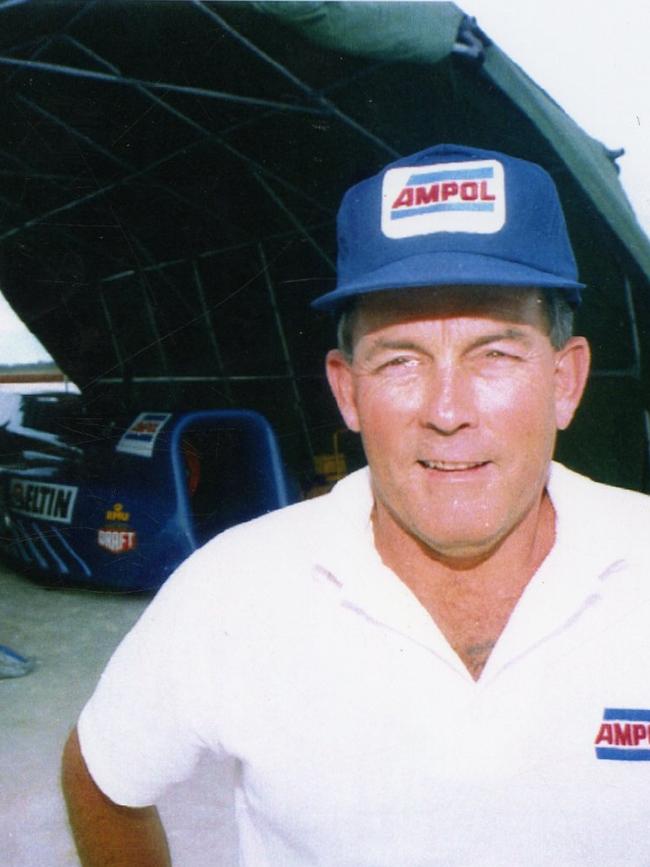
361 737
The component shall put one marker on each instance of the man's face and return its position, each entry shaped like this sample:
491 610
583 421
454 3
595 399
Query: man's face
458 394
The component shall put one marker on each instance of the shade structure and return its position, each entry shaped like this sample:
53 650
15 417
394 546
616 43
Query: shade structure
171 173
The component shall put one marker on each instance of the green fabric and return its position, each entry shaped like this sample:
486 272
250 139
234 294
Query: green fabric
419 32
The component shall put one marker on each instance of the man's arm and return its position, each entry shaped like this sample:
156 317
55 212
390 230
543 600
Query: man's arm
107 833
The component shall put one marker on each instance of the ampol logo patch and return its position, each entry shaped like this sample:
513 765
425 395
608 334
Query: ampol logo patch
624 735
447 197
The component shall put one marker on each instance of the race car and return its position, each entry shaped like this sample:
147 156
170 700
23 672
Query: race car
118 504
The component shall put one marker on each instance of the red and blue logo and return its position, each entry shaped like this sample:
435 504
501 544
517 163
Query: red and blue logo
460 190
466 196
141 435
624 735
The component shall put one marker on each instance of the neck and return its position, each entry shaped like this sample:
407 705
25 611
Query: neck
470 596
521 551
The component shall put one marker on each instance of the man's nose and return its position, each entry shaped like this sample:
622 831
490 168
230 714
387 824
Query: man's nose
448 401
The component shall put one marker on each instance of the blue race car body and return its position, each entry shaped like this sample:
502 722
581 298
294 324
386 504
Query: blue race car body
121 510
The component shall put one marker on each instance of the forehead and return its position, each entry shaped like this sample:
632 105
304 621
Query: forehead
513 305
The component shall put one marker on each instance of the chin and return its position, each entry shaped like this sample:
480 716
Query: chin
460 549
464 530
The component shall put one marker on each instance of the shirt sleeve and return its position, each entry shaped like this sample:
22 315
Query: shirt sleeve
139 731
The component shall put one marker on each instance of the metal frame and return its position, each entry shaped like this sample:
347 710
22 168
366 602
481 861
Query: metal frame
309 102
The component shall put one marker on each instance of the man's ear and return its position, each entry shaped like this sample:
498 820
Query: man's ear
571 373
341 380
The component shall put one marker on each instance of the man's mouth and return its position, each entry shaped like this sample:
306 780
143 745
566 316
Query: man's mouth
452 466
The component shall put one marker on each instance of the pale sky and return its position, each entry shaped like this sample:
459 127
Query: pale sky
17 344
592 58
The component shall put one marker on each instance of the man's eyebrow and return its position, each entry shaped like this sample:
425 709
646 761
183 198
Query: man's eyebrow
515 334
381 344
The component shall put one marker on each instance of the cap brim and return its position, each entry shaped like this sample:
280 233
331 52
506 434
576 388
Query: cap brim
448 269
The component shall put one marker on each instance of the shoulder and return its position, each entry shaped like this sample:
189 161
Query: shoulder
276 548
599 511
301 527
585 491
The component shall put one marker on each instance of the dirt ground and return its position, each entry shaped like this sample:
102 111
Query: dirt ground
71 634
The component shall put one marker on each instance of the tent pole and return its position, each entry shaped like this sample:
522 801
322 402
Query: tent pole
209 93
294 220
153 326
326 106
634 327
116 346
286 354
210 328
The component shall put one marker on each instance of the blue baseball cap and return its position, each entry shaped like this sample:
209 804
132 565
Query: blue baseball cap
453 215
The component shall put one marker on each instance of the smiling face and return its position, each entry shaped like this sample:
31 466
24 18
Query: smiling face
458 395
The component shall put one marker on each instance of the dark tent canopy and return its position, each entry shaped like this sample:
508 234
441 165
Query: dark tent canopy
170 178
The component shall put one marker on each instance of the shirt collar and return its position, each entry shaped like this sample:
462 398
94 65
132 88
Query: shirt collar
582 554
582 527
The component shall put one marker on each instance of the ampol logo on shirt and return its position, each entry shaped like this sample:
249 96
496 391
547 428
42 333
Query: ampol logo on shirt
447 197
624 735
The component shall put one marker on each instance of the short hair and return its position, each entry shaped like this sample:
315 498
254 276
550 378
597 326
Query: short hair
558 312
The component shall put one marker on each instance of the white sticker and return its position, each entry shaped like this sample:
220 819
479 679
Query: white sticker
446 197
117 541
40 500
141 435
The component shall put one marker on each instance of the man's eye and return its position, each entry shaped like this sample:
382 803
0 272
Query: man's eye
401 361
397 364
501 354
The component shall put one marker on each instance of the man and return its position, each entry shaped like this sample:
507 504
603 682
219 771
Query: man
442 662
